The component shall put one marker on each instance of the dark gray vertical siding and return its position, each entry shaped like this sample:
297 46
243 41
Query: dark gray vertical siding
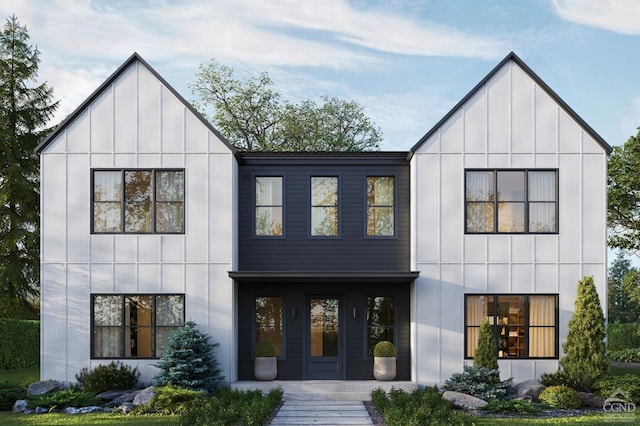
352 251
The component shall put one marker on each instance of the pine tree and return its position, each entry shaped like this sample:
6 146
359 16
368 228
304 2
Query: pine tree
189 361
487 351
585 358
25 110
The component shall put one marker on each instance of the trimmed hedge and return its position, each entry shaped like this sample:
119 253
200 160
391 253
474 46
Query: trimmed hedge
20 344
623 336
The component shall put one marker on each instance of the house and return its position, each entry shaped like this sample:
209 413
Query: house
150 218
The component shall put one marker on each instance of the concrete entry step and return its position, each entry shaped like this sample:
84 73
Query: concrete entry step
322 413
324 390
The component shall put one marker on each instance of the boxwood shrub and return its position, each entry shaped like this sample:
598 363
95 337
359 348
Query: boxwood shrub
561 397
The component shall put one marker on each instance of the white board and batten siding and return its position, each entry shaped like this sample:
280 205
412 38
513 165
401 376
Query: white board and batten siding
509 121
135 121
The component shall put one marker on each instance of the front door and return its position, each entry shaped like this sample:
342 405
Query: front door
324 357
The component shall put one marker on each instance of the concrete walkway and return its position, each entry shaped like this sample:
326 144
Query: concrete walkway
296 412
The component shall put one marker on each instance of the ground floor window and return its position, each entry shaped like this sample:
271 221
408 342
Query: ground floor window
525 326
380 321
269 324
133 325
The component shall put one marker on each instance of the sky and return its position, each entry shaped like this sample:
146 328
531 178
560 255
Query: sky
406 62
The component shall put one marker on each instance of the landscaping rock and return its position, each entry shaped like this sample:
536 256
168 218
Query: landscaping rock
20 406
41 410
462 400
532 388
46 386
591 400
71 410
144 396
91 409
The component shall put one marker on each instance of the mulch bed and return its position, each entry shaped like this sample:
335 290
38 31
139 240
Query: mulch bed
376 417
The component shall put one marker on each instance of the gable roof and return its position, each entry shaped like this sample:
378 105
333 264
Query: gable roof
110 80
513 57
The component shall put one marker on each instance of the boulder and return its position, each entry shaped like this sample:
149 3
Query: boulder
91 409
591 400
45 386
462 400
20 406
144 396
41 410
532 388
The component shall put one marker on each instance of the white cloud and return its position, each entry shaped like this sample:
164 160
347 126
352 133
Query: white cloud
621 16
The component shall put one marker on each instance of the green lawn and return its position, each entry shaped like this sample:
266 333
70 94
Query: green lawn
10 419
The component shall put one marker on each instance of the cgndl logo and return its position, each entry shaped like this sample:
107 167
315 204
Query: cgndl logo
619 402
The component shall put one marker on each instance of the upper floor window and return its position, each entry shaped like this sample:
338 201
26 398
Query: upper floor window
380 206
138 201
511 201
133 325
269 206
525 326
324 206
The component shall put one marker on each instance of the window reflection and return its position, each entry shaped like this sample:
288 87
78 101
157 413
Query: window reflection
269 324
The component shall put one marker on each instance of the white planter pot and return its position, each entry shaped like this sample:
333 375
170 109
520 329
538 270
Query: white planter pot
384 368
266 368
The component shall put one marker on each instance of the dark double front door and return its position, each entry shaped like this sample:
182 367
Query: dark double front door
323 331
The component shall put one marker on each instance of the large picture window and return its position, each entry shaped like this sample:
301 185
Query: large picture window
380 321
132 325
511 201
380 206
269 206
138 201
269 324
324 206
525 326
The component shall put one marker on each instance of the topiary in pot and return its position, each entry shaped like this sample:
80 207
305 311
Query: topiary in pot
266 363
384 361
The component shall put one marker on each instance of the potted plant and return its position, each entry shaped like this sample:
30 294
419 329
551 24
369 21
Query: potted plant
266 364
384 361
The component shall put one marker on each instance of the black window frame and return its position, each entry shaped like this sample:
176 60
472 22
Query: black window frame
338 207
154 201
527 326
123 326
367 206
366 354
282 206
526 202
254 324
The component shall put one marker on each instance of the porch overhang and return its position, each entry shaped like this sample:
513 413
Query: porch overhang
353 277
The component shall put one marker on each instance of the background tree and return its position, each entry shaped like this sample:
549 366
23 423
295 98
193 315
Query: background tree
623 307
585 359
487 351
623 186
254 117
25 110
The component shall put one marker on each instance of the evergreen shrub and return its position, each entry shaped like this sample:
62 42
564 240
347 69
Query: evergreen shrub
561 396
486 354
423 406
9 394
167 400
585 358
188 361
231 407
480 382
62 399
607 386
113 376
